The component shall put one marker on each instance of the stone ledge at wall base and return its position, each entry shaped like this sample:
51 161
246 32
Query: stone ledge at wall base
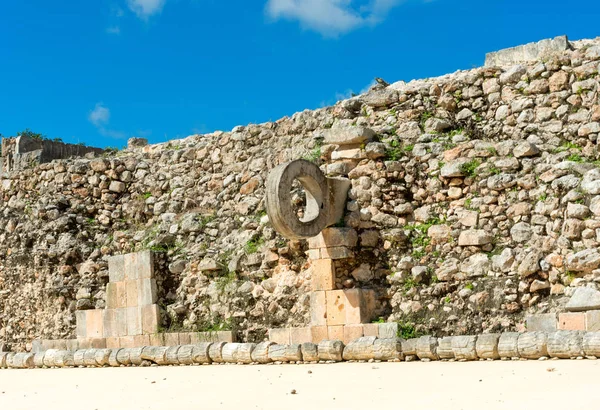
157 339
345 333
547 322
562 344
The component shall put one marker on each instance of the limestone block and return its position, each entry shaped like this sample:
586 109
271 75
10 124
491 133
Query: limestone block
171 339
135 355
571 321
81 326
331 237
299 335
110 323
427 348
508 345
409 347
591 344
127 342
565 344
112 343
64 358
145 265
72 345
185 338
371 329
584 299
319 333
130 267
89 358
387 349
348 307
147 292
260 354
200 353
533 345
157 339
116 268
352 332
335 332
113 361
444 349
9 360
331 350
281 336
134 321
592 320
277 353
123 357
121 289
487 346
94 322
336 253
318 309
310 352
387 330
230 352
244 352
121 328
38 359
322 275
132 293
359 349
545 322
215 352
464 347
22 361
141 340
111 296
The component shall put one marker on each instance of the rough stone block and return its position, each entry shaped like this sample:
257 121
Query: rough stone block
72 345
121 294
318 308
81 329
111 296
371 329
224 336
318 333
571 321
299 335
116 268
331 237
353 332
281 336
94 321
134 321
112 343
545 322
388 330
150 319
592 320
323 275
526 52
132 293
533 345
171 339
97 343
335 333
147 292
141 340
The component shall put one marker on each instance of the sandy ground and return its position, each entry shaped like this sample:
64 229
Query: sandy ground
477 385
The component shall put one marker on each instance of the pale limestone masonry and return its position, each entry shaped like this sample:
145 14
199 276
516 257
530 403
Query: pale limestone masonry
527 52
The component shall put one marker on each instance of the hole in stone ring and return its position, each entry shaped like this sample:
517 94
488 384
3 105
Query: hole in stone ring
306 199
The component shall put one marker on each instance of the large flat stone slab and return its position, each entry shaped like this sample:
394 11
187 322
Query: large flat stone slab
526 52
584 299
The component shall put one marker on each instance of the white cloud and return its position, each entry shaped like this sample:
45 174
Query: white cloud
100 115
146 8
113 30
331 17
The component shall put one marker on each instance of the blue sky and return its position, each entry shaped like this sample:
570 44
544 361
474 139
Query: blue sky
101 71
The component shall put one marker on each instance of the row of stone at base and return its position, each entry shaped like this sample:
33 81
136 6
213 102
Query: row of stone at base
562 344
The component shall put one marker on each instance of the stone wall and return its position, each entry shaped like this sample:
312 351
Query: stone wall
474 198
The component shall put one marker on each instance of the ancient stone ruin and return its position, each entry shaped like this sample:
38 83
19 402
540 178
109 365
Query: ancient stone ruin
450 218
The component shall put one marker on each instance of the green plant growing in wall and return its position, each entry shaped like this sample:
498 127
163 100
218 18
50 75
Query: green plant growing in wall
469 168
253 245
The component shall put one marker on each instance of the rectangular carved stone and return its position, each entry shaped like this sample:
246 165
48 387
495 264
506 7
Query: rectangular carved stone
157 339
94 321
592 320
533 345
318 333
80 318
281 336
487 346
134 321
388 330
126 342
110 323
171 339
299 335
132 293
330 237
146 289
184 339
121 294
318 309
145 265
335 333
565 344
111 296
112 343
141 340
116 268
121 321
571 321
130 262
352 333
371 329
337 252
323 275
463 347
347 307
545 322
150 319
508 345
